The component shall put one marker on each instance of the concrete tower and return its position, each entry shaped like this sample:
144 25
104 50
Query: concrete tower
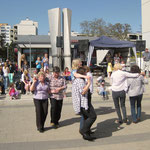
67 37
55 30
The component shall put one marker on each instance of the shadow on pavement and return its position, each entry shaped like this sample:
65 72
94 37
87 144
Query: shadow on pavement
2 96
144 117
104 110
70 121
106 128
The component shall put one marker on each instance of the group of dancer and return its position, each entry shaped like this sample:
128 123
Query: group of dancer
45 85
82 88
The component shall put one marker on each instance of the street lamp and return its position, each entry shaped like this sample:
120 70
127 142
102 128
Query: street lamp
30 51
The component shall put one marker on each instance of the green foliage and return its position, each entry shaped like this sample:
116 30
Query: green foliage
99 27
11 53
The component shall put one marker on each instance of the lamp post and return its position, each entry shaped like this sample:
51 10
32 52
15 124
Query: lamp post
30 51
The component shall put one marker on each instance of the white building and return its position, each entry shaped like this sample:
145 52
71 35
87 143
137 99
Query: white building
134 36
5 32
25 27
145 4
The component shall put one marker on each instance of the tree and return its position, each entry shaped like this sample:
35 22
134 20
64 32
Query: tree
11 53
98 27
120 31
85 26
3 49
93 28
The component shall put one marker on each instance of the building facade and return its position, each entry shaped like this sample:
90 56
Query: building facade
38 45
5 33
25 27
134 37
145 4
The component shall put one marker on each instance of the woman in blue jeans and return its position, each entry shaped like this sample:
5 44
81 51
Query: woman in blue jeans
119 86
135 92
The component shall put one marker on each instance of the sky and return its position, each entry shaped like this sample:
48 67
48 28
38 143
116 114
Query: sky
111 11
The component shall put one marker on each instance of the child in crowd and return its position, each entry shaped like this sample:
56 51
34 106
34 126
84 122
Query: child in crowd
12 92
109 68
100 79
45 61
123 65
67 74
101 90
27 84
116 59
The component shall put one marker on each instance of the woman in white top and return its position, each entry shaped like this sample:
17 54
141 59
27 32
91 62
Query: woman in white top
119 86
135 92
6 71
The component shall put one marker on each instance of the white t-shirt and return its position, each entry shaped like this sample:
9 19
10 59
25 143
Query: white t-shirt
91 85
5 70
119 80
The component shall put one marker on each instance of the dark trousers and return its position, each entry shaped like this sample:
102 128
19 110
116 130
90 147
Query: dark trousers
41 109
89 118
119 99
23 91
38 70
56 107
135 103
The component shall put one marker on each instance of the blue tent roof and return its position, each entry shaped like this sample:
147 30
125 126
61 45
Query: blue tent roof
107 42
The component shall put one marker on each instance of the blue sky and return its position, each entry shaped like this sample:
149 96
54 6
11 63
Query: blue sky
112 11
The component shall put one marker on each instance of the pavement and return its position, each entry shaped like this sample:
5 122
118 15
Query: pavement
18 128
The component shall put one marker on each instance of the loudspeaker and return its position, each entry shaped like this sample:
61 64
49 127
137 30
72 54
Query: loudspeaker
59 41
140 45
83 45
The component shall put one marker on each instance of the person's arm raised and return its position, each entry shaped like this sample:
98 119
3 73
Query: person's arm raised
32 88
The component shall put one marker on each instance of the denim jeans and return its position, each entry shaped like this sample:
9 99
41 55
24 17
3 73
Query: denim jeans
6 79
119 99
135 103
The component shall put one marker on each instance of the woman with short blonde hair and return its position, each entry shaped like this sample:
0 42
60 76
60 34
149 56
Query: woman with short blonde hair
41 94
117 66
76 63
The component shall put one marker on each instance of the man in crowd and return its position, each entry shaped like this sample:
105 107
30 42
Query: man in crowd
146 61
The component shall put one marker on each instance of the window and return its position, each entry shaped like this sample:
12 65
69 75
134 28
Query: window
133 37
